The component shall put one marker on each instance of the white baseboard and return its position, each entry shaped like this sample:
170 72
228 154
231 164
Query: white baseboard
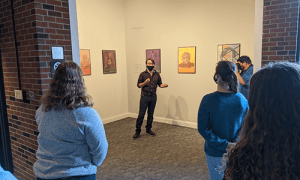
116 118
176 122
157 119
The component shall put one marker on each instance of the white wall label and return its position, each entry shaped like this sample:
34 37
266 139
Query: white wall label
57 53
137 68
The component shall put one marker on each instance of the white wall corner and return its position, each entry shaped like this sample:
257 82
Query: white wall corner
74 31
259 6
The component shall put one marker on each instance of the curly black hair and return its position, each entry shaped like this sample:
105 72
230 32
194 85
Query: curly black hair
269 144
66 89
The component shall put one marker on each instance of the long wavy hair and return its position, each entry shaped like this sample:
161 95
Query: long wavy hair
225 75
269 144
66 89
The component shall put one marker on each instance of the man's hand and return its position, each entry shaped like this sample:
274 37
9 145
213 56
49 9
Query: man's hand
147 81
164 85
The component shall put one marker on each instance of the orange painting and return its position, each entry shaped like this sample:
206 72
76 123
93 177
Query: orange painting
187 60
85 61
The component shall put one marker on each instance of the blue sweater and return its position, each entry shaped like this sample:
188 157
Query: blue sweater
70 143
6 175
219 120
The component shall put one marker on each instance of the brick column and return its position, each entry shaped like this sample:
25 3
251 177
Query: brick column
280 22
39 25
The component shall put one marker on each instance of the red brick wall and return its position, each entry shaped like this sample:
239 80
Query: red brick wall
40 24
279 30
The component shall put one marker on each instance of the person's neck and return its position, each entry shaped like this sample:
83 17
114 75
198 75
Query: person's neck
221 88
248 65
151 72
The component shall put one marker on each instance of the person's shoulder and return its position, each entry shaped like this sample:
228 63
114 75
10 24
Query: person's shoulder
251 69
210 96
241 97
85 111
86 114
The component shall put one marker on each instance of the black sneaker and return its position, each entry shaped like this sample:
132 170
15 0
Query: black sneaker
136 135
150 132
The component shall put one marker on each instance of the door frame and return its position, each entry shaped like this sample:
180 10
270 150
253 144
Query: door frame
5 145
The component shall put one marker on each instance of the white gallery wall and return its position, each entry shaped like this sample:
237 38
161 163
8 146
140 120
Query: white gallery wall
101 26
132 26
169 24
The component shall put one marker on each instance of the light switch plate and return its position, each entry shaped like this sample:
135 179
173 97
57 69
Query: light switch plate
18 94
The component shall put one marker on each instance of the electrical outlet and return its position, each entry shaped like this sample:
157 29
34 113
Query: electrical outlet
18 94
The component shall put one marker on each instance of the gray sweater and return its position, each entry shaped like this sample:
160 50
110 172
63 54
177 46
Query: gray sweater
70 143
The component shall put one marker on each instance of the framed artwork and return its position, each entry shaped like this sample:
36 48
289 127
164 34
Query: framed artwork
154 54
229 52
187 60
109 61
85 61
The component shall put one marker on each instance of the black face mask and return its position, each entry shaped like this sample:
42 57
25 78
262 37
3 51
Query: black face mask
150 68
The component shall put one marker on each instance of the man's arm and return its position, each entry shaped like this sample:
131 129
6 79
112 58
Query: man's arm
160 84
141 83
144 83
240 78
163 85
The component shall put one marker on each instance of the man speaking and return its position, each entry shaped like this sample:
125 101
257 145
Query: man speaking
148 81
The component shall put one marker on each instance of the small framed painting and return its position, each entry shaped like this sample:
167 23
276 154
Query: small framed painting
155 55
85 61
187 60
229 52
109 61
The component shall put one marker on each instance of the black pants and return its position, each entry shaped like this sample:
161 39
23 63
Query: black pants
146 102
88 177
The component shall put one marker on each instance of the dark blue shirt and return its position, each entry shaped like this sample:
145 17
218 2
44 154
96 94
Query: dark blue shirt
246 75
220 117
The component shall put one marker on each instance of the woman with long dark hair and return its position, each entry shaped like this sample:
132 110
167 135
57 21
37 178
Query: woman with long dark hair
269 147
220 116
71 140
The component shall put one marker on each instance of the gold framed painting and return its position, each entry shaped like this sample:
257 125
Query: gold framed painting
85 61
187 60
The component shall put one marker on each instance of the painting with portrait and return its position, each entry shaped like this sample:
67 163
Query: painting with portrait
187 60
85 61
109 61
229 52
155 55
